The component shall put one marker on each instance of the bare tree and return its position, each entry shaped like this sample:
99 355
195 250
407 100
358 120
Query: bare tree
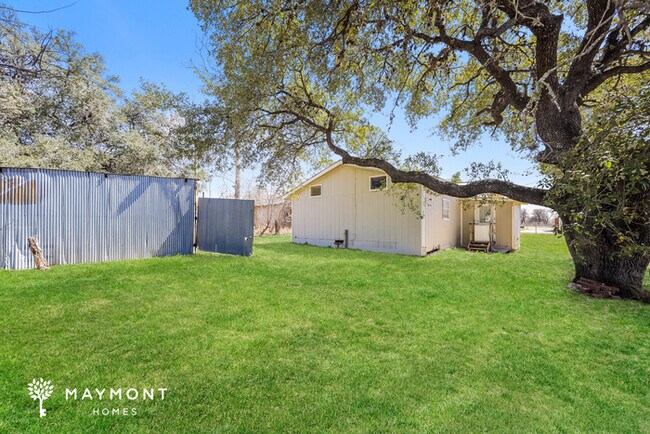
539 216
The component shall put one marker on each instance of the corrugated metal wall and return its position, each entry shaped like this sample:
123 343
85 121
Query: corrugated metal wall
89 217
226 226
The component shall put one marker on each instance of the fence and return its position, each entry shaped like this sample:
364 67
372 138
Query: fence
88 217
226 226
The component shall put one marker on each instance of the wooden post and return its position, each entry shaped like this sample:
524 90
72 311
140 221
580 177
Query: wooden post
39 258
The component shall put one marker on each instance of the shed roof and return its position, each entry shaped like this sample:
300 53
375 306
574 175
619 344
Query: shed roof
322 173
339 163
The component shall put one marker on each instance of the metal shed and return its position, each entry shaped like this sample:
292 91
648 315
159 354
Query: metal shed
89 217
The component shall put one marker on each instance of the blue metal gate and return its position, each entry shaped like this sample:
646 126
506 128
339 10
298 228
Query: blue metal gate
225 226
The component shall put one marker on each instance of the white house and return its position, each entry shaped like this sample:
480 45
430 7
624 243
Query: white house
351 206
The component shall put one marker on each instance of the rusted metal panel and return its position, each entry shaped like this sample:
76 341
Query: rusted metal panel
90 217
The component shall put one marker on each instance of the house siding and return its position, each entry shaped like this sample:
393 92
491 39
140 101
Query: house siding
507 223
516 225
375 220
504 225
441 233
468 214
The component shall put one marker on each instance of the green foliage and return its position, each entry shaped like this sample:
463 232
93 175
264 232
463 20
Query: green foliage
356 57
529 71
55 101
407 197
491 169
59 109
320 64
603 184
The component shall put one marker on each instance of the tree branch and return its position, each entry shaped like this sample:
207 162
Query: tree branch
537 16
513 191
474 47
505 188
616 44
599 78
600 15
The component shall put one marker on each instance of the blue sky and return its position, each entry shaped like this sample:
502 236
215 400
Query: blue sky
157 40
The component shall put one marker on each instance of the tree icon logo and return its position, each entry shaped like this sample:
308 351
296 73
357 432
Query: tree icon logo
41 390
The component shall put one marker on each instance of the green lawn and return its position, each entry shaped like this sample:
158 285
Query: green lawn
300 338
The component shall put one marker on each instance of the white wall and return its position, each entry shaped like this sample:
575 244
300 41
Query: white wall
507 223
375 219
441 233
504 225
516 225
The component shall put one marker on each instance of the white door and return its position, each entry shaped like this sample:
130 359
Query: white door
482 232
483 217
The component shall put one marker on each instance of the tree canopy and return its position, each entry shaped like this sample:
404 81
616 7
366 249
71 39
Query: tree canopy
523 67
60 109
533 72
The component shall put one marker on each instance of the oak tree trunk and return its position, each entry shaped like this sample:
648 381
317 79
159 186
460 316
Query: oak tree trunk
597 257
596 252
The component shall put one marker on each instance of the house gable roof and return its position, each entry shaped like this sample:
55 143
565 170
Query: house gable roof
313 178
340 163
321 174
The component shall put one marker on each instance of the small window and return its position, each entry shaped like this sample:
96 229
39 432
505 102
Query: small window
377 183
315 190
445 209
485 214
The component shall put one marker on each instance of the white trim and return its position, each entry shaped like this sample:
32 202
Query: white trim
313 179
377 176
462 226
448 209
316 185
324 172
423 227
477 212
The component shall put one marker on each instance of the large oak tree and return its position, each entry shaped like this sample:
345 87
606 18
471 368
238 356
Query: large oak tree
532 71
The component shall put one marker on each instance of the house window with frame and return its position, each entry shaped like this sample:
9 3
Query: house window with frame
445 209
485 214
316 190
378 183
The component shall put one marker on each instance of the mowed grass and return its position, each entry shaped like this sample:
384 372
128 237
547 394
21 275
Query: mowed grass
307 339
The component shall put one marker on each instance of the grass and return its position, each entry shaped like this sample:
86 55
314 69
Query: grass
299 338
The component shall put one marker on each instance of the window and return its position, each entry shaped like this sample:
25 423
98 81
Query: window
377 183
485 214
445 209
315 190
